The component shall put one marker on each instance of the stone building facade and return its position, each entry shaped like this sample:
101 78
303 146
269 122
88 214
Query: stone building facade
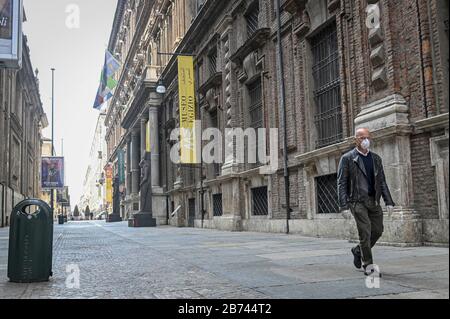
94 186
141 29
347 64
22 119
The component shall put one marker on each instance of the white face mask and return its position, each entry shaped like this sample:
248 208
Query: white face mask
365 144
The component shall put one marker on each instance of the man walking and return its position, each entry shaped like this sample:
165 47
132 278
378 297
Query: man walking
361 184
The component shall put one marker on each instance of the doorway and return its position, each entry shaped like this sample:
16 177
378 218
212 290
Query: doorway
191 218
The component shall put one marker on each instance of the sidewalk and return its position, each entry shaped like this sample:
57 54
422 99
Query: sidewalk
120 262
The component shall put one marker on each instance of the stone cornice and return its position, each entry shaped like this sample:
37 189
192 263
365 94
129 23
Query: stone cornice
129 63
210 43
293 6
30 79
338 148
257 40
132 114
116 24
432 123
120 145
196 31
213 81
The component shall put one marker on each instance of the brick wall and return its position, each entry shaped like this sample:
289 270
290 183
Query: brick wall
423 175
406 40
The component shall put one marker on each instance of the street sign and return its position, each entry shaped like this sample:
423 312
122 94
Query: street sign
62 196
11 16
52 173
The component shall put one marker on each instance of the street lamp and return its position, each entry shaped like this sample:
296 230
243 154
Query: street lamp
161 89
52 199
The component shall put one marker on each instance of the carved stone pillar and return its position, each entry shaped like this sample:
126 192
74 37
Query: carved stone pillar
439 159
387 119
225 29
143 136
377 47
159 202
436 230
135 169
128 171
154 144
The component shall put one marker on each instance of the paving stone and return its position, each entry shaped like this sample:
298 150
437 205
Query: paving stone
165 262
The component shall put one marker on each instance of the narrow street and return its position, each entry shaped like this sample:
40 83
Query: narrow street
120 262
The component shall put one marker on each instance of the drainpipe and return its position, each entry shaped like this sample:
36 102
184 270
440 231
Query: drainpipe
282 100
349 78
202 190
3 204
8 221
166 164
422 73
433 62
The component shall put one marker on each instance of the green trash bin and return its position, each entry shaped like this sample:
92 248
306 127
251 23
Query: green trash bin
30 242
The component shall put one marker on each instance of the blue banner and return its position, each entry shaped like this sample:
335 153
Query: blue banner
52 172
121 159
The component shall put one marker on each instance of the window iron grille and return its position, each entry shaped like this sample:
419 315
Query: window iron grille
446 27
327 95
327 195
217 205
213 63
255 108
215 124
255 112
191 221
217 169
260 203
252 20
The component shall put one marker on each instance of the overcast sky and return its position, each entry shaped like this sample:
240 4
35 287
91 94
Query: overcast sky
77 54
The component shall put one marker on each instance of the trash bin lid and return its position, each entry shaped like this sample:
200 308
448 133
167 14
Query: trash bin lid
41 208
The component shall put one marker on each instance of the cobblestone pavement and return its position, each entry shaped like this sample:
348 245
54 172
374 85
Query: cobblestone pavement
120 262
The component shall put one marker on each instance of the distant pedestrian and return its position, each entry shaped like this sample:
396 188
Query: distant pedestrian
361 184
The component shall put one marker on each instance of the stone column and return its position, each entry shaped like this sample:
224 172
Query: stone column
154 142
129 183
159 202
230 166
135 169
143 137
388 120
2 147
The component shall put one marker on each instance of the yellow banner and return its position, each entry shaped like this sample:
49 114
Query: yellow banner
148 147
187 109
109 191
109 188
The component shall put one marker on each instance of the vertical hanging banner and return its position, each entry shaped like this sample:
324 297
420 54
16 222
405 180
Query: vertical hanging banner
121 160
148 146
6 19
52 172
109 181
187 109
11 16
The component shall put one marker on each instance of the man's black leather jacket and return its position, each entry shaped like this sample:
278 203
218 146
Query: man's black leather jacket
352 181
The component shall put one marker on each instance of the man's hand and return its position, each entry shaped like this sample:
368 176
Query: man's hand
390 210
347 214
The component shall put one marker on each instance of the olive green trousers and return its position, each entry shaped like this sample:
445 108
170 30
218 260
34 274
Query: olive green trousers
369 221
